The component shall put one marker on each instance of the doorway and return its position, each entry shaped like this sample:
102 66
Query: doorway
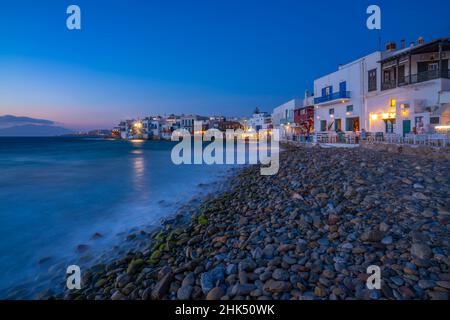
406 127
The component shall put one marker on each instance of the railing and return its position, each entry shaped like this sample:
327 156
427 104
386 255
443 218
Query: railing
415 78
433 139
287 120
333 96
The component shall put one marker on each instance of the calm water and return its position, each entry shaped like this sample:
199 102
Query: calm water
55 193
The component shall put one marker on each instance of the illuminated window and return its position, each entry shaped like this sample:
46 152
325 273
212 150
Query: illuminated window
393 102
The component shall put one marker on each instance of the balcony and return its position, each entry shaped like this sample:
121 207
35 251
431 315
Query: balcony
415 78
288 120
341 95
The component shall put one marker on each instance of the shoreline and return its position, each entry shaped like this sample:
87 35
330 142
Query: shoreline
308 233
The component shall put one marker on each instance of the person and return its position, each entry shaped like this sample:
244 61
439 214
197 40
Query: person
363 134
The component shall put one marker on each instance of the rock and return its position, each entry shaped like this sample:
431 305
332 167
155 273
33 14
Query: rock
443 284
117 296
426 284
421 251
247 265
438 295
96 236
420 196
135 265
320 292
397 280
122 280
161 287
184 293
257 253
242 289
280 274
384 227
231 269
189 280
206 282
329 274
265 276
215 294
274 286
387 240
217 274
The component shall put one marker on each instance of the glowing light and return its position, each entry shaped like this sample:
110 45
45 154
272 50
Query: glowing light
393 102
374 116
442 127
388 115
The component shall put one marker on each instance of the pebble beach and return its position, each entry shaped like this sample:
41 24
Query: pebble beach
310 232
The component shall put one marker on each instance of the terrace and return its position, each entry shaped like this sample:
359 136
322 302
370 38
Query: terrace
414 65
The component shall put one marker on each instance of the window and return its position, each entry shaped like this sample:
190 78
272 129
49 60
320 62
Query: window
323 125
350 108
328 91
393 103
390 125
434 120
433 66
331 111
373 80
352 124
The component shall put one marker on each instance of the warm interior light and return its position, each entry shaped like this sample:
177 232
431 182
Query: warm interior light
374 116
393 103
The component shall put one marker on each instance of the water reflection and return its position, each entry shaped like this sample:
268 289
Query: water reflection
138 164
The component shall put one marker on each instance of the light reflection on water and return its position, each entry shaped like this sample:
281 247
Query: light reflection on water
56 193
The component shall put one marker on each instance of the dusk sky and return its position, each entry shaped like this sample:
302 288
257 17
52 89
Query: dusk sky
135 58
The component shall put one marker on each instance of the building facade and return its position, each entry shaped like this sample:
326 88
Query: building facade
341 97
283 118
259 121
411 91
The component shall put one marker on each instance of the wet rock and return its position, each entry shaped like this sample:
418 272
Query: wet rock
421 251
161 287
215 294
184 293
274 286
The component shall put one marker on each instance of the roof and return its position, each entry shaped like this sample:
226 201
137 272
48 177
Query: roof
429 47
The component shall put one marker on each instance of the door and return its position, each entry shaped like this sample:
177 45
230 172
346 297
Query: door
406 127
337 125
342 87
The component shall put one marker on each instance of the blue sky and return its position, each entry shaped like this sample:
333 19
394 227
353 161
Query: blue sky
134 58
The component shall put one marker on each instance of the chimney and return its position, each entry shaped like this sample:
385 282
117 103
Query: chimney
412 44
403 44
420 41
391 46
306 94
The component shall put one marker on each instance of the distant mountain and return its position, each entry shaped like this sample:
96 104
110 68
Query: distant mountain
9 121
31 130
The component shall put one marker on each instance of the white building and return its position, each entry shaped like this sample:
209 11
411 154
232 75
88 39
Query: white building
340 97
259 121
283 118
411 90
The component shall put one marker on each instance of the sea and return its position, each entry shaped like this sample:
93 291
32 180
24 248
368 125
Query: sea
72 200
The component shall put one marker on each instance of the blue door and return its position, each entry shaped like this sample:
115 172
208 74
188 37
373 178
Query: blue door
343 87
